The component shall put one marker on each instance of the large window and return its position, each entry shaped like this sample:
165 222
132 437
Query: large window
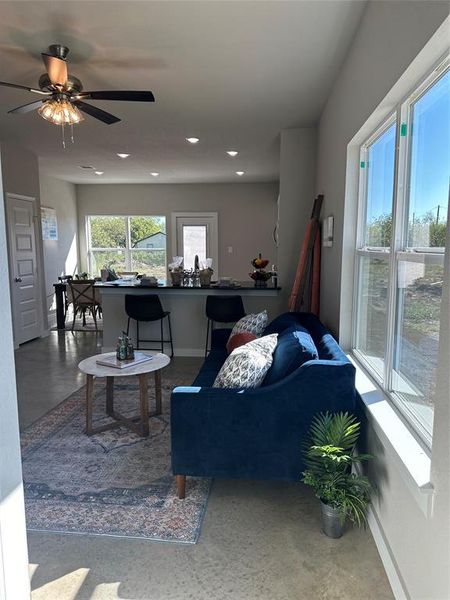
127 244
402 229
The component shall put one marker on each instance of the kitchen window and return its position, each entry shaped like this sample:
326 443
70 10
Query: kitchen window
127 243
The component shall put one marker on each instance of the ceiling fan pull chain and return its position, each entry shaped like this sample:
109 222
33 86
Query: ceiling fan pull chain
71 133
63 137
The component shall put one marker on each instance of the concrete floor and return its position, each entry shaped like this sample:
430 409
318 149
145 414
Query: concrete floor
260 540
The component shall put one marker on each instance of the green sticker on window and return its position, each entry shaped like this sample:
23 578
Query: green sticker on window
362 164
403 129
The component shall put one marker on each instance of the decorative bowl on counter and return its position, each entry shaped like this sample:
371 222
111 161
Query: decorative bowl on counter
260 275
260 263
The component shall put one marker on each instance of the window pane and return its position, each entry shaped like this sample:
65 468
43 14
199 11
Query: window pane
108 232
114 259
149 262
194 243
430 167
372 310
148 232
380 189
417 340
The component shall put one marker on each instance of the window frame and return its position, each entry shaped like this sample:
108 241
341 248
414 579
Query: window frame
127 249
398 251
211 221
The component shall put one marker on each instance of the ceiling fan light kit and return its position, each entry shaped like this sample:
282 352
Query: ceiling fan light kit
60 112
64 102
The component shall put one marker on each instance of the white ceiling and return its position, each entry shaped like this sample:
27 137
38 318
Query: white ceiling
232 73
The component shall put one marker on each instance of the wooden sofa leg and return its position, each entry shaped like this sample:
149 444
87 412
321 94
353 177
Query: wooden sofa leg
181 486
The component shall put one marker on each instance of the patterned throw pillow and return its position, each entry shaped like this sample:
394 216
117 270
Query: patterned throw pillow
239 339
247 366
253 323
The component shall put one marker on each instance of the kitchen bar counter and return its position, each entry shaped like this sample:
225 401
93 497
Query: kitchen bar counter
185 303
187 308
241 286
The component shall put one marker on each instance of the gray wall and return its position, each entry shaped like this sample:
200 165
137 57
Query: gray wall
60 256
391 35
246 213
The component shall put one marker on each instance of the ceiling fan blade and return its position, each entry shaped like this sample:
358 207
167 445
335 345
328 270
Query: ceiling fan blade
24 87
56 69
97 113
130 95
26 108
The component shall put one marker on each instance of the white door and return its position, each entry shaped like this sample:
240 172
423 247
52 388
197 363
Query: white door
196 234
25 290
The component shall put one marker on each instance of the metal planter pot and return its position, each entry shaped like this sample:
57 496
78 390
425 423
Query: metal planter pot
332 524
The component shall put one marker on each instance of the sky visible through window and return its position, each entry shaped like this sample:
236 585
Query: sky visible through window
430 159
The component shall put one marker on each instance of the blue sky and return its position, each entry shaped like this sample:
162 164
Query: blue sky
430 158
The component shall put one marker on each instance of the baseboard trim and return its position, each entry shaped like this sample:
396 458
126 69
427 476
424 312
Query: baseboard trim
189 352
389 563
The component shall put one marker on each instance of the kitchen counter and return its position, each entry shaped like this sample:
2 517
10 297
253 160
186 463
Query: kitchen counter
241 286
187 311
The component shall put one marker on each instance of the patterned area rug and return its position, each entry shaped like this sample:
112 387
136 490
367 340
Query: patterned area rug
113 483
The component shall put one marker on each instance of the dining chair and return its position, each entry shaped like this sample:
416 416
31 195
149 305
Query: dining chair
84 296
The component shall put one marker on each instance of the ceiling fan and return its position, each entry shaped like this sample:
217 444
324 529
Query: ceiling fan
63 97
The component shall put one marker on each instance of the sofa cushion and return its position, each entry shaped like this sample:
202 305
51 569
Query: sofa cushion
254 323
219 337
239 339
282 322
247 366
210 368
295 346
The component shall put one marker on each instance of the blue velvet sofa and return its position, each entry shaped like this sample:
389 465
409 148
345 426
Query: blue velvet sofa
257 433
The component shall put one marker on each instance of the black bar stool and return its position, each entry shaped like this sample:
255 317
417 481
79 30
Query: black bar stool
65 279
147 308
222 309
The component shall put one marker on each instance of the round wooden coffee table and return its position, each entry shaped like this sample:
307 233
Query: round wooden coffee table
138 424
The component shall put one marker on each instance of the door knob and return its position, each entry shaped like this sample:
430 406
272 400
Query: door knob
18 279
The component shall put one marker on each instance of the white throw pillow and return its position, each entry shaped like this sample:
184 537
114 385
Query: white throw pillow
253 323
247 366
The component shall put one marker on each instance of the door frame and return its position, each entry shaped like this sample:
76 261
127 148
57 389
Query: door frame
214 235
9 197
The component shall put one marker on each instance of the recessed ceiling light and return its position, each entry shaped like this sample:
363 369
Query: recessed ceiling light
192 140
122 155
232 153
240 173
99 172
155 174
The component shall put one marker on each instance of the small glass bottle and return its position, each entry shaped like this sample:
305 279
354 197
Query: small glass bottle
130 350
119 343
275 276
121 351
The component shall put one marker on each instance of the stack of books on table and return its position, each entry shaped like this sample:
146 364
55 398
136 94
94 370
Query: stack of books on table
113 361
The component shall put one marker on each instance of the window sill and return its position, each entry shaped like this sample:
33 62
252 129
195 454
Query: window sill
412 461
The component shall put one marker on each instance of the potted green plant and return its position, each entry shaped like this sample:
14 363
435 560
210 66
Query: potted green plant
330 457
